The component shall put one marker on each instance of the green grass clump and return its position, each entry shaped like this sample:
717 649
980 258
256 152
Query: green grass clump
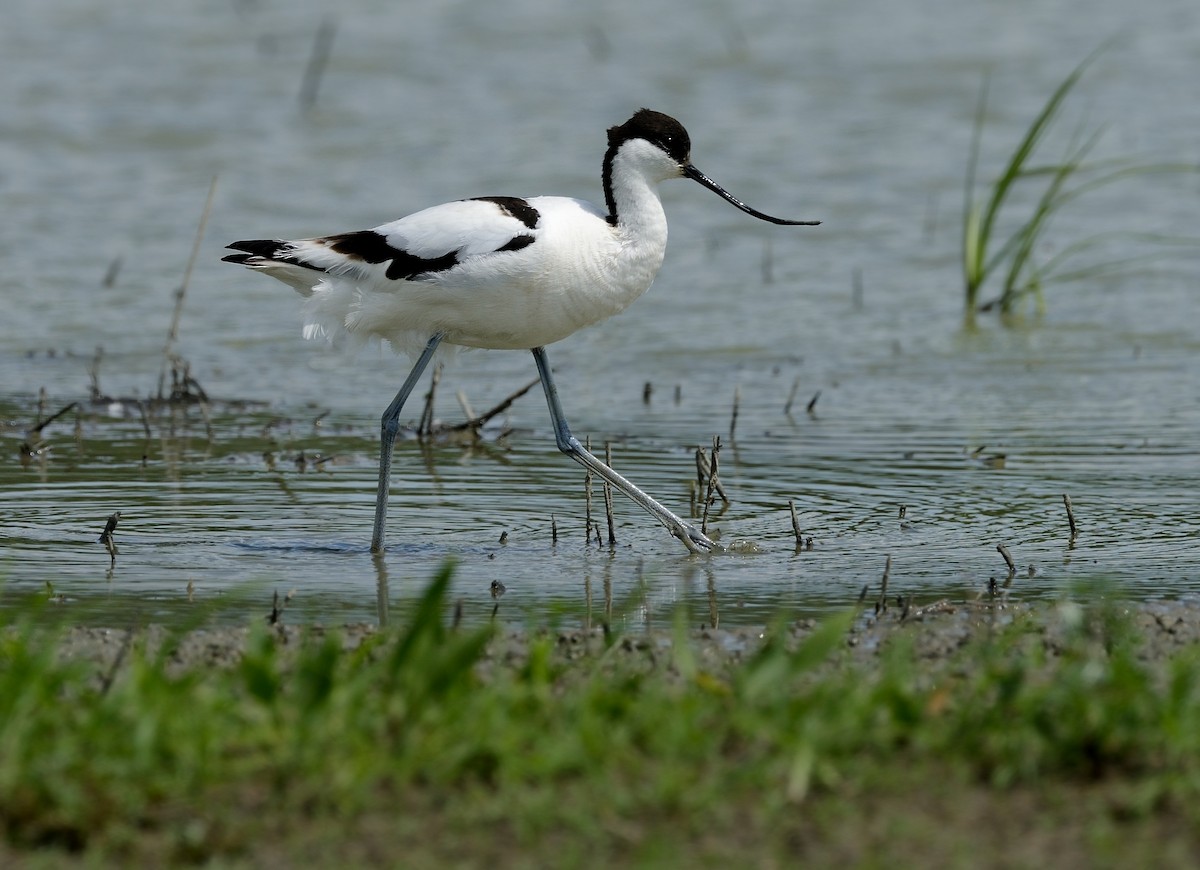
1064 181
427 741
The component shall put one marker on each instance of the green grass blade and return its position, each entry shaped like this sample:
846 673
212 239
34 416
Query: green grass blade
978 232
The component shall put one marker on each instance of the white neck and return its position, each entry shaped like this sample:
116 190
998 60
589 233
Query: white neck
631 177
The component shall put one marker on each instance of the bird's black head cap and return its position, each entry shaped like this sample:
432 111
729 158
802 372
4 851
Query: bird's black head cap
656 128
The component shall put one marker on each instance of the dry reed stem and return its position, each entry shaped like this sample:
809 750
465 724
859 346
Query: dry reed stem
608 500
181 293
587 494
704 475
478 422
465 404
425 423
881 603
318 59
714 471
787 406
737 400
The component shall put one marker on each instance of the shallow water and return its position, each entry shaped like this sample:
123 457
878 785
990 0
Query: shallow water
118 119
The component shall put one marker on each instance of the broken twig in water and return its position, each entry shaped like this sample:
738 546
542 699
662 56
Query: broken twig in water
94 373
106 537
275 617
714 472
1070 514
704 475
787 406
796 525
317 61
37 427
1008 560
881 603
110 276
608 500
465 404
477 423
425 423
181 292
587 496
812 403
737 400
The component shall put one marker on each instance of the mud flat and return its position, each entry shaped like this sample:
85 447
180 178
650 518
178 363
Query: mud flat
936 631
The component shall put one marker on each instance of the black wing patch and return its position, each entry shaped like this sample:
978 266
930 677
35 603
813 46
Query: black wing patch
514 207
516 243
370 247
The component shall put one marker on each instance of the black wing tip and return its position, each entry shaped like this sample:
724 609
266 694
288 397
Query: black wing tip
240 259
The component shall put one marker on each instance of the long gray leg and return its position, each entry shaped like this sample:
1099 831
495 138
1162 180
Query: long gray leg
389 426
691 537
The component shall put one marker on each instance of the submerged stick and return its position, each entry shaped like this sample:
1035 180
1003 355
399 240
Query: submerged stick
1008 559
94 373
181 293
1070 514
787 406
881 604
737 399
587 495
482 419
465 404
37 427
110 277
425 423
276 616
796 525
704 475
106 537
608 500
714 470
317 61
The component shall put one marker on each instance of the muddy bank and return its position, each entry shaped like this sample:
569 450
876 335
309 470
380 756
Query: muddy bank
935 632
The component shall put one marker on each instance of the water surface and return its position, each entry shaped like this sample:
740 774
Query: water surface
117 119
